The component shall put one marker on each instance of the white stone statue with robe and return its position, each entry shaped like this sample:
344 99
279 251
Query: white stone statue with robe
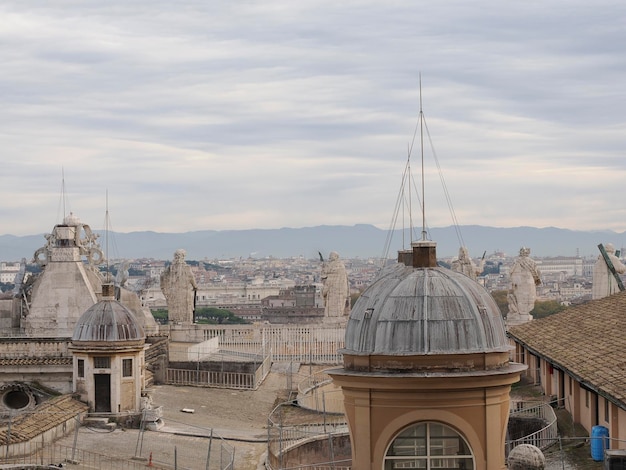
604 282
525 277
179 288
336 288
465 265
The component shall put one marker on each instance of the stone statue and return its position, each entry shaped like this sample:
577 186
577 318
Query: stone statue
465 265
336 289
604 283
525 277
179 288
121 278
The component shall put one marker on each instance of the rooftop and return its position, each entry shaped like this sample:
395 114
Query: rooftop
587 341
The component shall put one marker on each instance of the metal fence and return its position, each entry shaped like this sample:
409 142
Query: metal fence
283 436
220 379
129 449
319 393
71 457
542 438
207 378
317 344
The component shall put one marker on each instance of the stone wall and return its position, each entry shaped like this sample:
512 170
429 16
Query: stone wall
46 361
9 319
156 357
316 450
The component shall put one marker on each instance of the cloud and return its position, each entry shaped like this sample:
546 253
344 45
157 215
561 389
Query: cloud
223 115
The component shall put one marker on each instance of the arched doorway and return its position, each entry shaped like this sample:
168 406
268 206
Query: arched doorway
429 445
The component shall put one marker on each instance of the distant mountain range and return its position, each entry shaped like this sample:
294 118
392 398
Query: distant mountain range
362 241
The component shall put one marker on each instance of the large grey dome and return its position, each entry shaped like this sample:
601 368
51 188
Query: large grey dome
108 321
425 310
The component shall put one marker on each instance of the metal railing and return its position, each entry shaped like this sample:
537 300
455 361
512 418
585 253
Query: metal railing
542 438
55 454
321 395
284 436
221 379
236 380
129 449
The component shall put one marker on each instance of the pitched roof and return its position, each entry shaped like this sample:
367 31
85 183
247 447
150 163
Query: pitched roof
49 414
587 341
36 361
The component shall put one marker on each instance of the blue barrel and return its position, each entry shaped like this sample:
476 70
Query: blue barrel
599 442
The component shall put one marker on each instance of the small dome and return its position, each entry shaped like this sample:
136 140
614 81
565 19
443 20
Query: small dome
420 311
108 321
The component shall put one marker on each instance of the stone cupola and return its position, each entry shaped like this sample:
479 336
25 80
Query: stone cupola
108 347
426 356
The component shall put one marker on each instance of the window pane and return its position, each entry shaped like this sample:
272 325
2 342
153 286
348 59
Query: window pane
408 446
418 430
432 445
102 362
405 464
127 367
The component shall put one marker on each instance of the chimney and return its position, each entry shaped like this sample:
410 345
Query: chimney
108 292
405 257
424 254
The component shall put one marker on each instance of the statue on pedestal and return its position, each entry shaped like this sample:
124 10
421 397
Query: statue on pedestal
604 281
179 288
525 277
336 289
465 265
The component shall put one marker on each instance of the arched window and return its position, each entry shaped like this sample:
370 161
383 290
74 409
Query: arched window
429 445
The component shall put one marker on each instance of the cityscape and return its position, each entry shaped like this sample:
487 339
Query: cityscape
262 294
148 323
237 283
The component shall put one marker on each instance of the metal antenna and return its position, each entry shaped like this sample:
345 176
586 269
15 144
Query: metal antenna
63 191
422 154
106 233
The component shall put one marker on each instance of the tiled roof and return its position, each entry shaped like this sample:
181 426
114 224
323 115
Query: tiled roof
587 341
46 416
36 361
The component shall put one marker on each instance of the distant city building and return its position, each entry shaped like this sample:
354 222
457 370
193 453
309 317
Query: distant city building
568 266
8 272
299 305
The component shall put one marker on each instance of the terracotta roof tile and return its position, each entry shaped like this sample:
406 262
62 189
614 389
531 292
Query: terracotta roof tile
35 361
49 414
588 341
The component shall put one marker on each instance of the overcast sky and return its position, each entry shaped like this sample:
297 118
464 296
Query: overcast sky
283 113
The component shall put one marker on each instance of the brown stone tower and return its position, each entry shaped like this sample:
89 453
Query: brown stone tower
426 376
